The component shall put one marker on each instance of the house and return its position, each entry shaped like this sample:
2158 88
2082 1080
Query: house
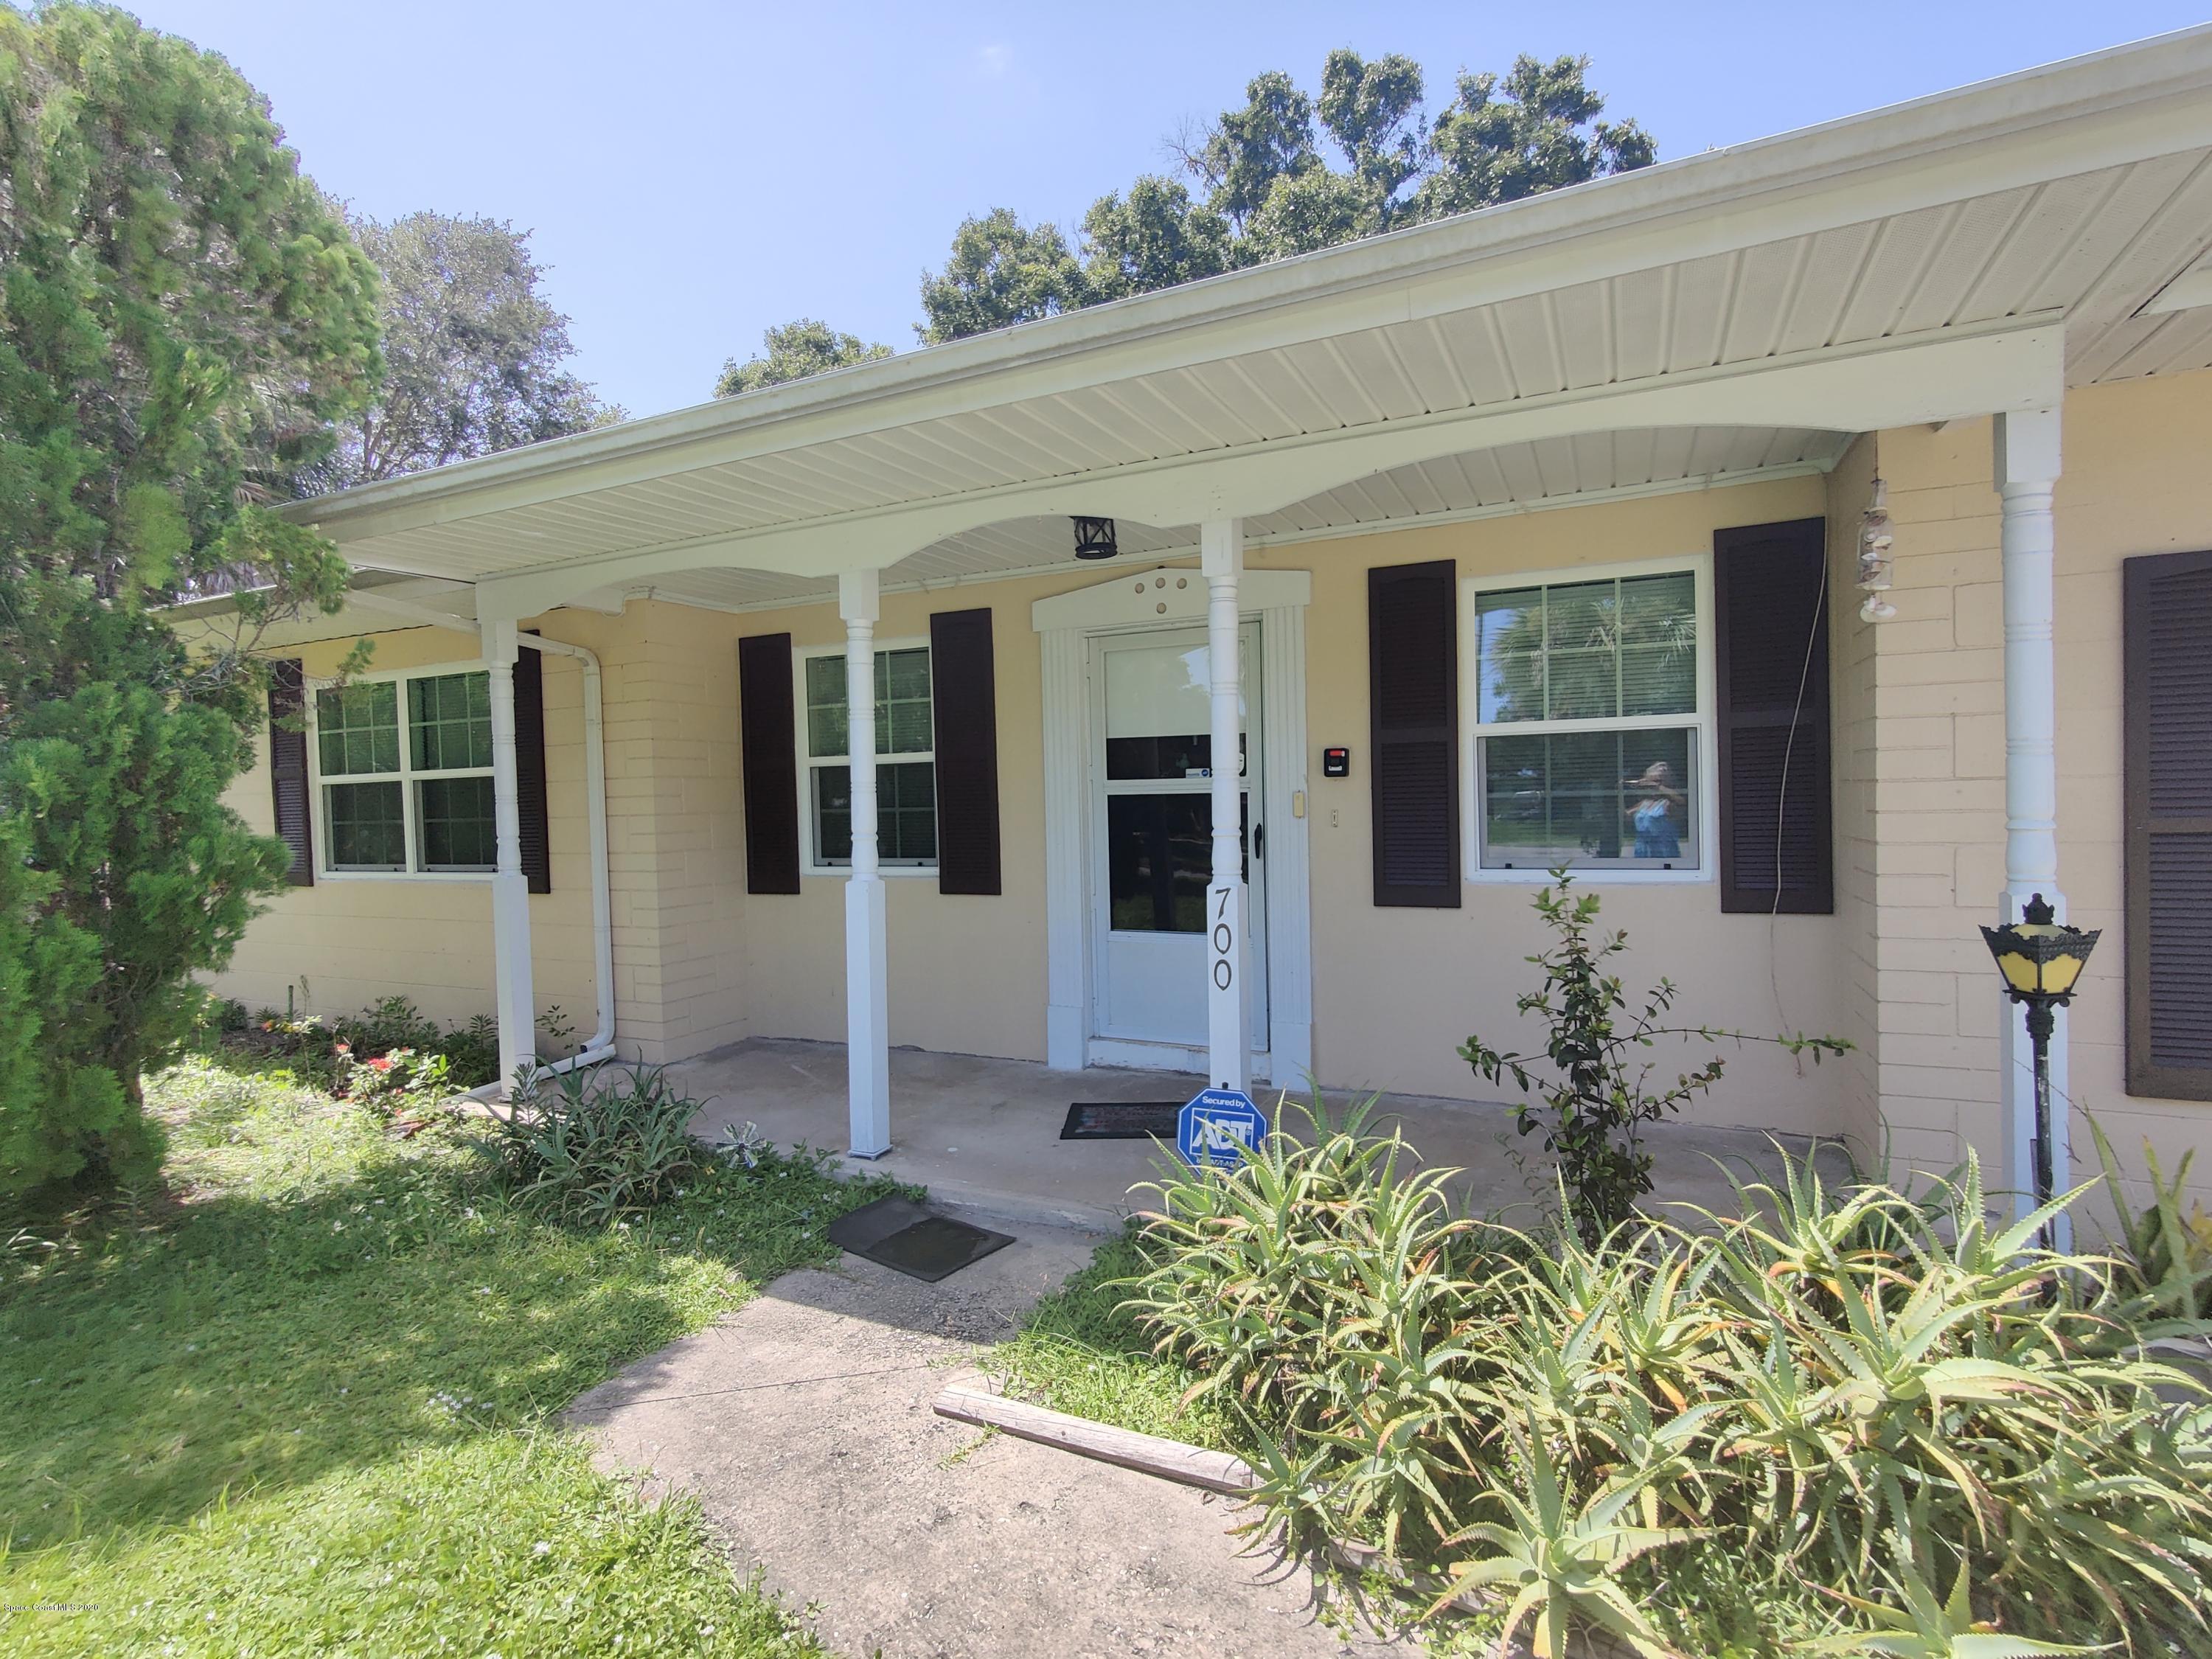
890 707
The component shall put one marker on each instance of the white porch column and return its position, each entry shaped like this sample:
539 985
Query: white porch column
1228 1023
868 979
2025 469
510 890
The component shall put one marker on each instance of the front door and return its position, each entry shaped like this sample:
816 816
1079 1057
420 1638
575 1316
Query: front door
1152 823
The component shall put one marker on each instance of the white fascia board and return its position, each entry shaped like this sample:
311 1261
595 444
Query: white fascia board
2124 104
1951 374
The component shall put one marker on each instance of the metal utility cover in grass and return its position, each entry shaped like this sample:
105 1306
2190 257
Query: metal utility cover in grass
913 1239
1122 1120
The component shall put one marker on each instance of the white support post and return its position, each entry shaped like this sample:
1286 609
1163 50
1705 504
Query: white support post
1228 1023
868 977
2025 469
510 889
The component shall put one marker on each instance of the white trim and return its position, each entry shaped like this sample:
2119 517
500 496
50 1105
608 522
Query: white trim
809 762
406 777
1968 370
1702 724
2070 119
1171 557
1160 596
1128 1054
1064 624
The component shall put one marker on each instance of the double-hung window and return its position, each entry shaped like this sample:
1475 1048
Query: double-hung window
906 767
1592 698
404 767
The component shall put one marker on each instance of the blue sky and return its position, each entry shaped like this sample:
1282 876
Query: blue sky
695 172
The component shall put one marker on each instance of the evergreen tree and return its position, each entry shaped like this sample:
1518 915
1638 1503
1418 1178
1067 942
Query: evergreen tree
182 318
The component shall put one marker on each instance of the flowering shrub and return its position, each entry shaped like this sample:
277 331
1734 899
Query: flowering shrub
402 1076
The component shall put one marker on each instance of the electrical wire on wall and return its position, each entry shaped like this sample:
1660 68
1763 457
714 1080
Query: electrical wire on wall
1781 794
1876 540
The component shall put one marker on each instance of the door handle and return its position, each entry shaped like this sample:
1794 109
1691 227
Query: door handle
1259 841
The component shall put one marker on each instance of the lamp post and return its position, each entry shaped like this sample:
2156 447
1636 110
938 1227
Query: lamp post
2040 959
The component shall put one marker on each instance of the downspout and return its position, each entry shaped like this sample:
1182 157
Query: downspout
601 1043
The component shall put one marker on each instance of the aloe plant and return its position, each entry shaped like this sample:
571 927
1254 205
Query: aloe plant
1560 1556
1823 1382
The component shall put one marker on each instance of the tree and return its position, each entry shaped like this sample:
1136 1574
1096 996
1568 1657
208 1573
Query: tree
1155 237
1543 133
796 349
182 320
473 353
1000 272
1287 174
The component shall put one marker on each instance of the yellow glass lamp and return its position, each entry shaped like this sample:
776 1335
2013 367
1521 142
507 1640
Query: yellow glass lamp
2041 961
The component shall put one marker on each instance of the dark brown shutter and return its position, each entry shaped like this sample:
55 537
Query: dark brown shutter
2168 721
963 686
288 767
530 768
1771 647
770 766
1413 681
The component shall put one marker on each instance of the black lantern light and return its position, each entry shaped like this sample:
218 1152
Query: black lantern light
2041 960
1094 538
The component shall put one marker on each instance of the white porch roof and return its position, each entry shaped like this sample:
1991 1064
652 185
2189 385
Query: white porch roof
1725 315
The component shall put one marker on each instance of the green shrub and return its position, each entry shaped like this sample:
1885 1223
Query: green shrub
1810 1421
1599 1095
598 1144
2165 1255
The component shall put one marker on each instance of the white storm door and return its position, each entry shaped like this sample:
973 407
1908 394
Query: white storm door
1152 823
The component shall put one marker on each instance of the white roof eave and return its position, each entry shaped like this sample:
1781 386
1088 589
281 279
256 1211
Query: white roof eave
1988 135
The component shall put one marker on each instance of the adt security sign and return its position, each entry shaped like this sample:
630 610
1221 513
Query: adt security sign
1218 1127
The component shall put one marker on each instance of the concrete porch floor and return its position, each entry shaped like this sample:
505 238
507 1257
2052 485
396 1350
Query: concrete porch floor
986 1132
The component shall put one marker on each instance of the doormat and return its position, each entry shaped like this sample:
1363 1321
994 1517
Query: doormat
910 1238
1120 1120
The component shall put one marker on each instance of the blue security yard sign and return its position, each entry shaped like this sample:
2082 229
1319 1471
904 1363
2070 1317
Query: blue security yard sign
1218 1127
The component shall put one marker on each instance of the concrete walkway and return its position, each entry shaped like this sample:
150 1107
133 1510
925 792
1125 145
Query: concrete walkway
803 1422
988 1131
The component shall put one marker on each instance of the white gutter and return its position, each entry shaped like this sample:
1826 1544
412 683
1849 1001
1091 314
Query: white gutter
600 1045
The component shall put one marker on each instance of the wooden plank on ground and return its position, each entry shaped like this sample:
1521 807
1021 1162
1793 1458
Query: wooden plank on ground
971 1400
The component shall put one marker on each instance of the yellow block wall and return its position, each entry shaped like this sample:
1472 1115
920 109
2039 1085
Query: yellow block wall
1899 967
2134 483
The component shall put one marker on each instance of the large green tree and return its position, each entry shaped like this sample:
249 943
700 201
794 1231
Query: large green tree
793 351
182 320
1286 173
474 354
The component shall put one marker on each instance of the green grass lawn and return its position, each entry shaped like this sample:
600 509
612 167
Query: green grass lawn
302 1400
1079 1353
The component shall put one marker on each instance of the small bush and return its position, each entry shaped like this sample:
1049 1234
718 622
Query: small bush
597 1145
1834 1418
1599 1095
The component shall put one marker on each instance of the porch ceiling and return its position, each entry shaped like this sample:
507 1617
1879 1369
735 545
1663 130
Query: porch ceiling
2069 197
1512 477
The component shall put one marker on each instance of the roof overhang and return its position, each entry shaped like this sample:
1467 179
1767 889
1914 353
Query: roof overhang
1960 254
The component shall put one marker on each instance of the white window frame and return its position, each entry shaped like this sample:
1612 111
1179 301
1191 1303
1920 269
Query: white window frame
406 777
1703 725
810 864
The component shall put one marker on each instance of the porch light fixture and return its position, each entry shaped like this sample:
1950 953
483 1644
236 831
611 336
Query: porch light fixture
1876 540
1094 538
2041 960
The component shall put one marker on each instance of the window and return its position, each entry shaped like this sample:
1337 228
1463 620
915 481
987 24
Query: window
906 775
418 800
1593 721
